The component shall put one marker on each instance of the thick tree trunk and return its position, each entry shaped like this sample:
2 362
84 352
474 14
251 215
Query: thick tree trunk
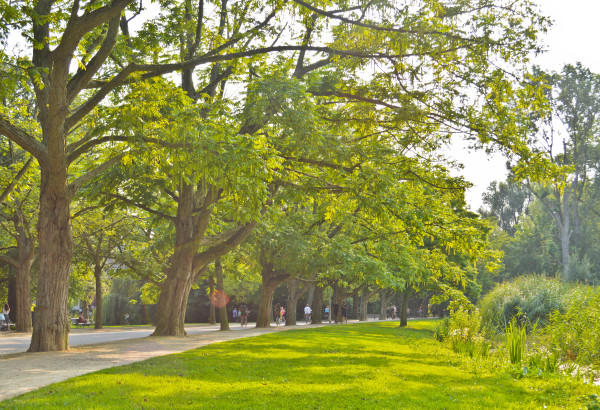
220 287
404 309
212 317
270 281
172 306
98 279
265 305
172 302
364 302
52 323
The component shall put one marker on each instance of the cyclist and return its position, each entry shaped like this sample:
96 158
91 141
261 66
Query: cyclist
307 313
278 314
244 315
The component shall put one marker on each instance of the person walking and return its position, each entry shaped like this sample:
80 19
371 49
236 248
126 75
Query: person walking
344 313
235 314
277 314
5 312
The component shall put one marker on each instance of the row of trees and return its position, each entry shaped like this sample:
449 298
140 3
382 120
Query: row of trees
551 226
163 144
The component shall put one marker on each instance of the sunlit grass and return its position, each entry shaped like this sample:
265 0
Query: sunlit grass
377 365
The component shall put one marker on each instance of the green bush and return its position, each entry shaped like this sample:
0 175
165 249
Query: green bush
464 333
535 296
575 334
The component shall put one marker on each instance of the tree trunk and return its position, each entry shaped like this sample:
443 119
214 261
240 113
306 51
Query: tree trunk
364 302
98 279
52 323
222 309
355 303
404 309
212 318
26 248
317 316
270 281
172 306
291 317
23 308
311 296
382 310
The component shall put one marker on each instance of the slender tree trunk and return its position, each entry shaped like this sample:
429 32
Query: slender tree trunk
212 317
291 317
98 279
404 309
23 307
317 316
311 296
52 323
382 311
355 303
220 287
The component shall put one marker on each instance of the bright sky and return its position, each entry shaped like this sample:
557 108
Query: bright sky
572 38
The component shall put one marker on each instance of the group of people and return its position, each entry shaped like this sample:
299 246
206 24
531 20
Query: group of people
392 312
241 315
336 311
4 318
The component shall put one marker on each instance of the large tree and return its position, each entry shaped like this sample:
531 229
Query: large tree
429 60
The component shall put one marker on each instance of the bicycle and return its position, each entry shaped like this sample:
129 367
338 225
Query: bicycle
277 320
307 319
244 320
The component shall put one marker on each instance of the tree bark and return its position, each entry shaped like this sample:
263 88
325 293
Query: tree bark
382 310
295 292
270 280
364 302
98 279
291 315
355 303
23 299
212 317
317 316
404 309
26 248
222 309
52 323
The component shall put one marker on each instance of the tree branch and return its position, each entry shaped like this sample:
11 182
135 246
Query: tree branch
23 139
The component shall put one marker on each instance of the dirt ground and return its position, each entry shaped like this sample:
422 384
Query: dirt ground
23 372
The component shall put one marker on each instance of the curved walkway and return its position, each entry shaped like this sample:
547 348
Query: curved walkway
23 372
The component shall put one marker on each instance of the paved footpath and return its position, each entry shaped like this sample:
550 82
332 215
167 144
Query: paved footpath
23 372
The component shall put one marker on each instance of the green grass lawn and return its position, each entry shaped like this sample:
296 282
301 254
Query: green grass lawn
372 365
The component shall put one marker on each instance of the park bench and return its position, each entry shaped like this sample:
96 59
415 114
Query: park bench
75 322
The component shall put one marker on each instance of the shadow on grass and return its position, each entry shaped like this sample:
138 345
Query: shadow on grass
357 366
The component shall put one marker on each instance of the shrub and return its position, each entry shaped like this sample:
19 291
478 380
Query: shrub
575 334
464 333
534 295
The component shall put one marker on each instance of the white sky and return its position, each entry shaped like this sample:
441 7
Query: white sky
572 38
